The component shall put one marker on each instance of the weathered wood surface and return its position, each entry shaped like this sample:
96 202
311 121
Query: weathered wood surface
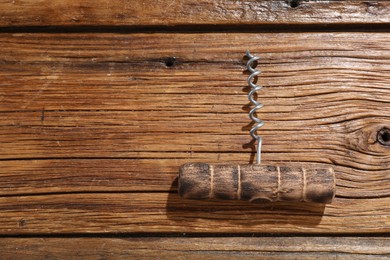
93 129
28 177
197 248
189 12
166 212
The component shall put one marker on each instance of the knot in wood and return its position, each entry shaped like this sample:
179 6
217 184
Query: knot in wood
383 136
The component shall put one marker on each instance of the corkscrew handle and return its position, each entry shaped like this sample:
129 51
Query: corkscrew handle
256 183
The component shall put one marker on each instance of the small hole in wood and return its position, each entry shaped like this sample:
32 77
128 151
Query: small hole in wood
22 222
170 62
384 136
294 3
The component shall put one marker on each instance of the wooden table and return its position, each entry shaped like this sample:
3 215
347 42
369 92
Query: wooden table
101 102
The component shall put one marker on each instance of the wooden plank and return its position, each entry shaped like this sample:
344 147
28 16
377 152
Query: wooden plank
196 105
30 177
190 12
197 248
127 72
162 212
101 120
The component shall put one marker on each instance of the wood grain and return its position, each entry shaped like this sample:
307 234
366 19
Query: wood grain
93 128
121 213
197 248
190 12
29 177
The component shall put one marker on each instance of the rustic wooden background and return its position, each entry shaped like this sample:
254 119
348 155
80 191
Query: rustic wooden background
101 102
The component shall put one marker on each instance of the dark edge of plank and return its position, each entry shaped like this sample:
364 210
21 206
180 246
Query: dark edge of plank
203 28
197 235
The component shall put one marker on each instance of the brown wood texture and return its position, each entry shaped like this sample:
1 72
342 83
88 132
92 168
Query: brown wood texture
197 248
256 183
189 12
93 129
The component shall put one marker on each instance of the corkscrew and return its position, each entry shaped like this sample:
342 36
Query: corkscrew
257 105
256 182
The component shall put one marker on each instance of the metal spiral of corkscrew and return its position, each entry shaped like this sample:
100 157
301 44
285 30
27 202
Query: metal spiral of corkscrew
257 105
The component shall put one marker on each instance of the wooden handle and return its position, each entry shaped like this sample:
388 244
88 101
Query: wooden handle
255 182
